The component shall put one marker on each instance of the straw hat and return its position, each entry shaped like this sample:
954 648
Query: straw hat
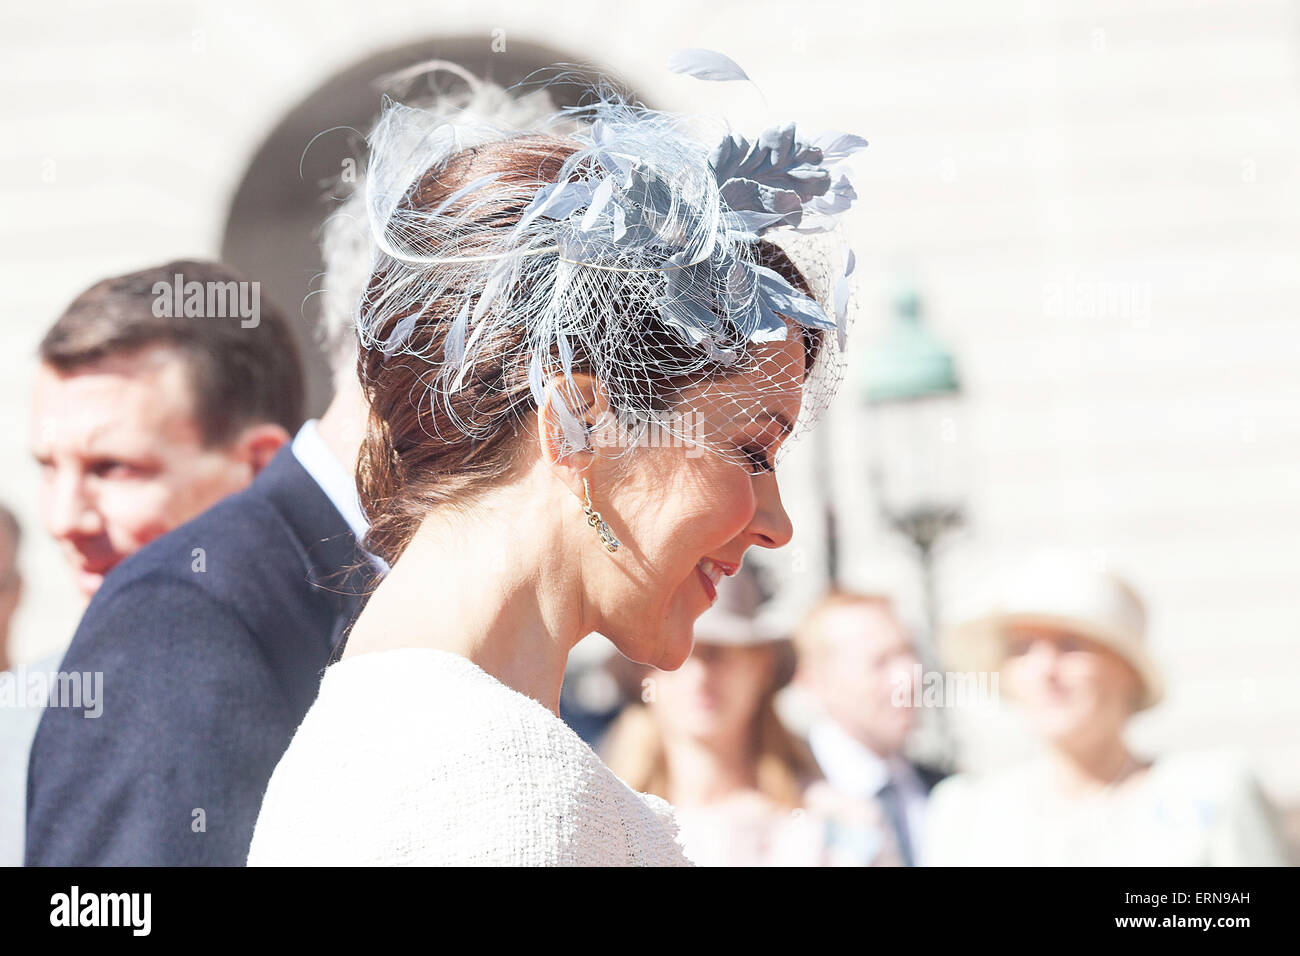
1064 592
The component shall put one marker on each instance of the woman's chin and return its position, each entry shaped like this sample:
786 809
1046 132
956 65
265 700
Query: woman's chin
675 652
674 649
666 654
1060 728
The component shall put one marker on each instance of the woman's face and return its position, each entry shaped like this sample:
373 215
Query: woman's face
686 514
1074 689
715 695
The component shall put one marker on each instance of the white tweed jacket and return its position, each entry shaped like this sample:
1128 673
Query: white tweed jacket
419 757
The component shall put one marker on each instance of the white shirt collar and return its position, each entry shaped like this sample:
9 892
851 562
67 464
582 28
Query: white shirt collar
850 766
328 472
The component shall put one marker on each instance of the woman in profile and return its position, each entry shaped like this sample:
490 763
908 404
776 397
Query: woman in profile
582 359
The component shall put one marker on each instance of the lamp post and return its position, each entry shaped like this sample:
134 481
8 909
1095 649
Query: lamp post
916 465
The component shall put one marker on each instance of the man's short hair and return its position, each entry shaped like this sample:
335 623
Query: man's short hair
808 634
242 371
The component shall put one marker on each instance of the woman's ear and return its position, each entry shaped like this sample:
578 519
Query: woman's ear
572 413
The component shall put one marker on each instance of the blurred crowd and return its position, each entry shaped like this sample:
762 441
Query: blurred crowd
1066 641
143 421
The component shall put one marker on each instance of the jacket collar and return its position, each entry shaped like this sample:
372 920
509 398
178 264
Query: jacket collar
333 559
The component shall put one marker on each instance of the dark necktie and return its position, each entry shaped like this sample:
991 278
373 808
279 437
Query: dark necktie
892 800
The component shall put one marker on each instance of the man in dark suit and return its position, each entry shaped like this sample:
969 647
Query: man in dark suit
859 664
212 641
144 416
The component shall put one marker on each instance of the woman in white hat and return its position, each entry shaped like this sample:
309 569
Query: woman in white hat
709 741
1068 642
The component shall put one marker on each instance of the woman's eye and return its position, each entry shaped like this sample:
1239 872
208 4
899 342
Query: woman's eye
757 457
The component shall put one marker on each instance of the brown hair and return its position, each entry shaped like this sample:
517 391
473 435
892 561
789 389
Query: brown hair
417 453
784 766
239 375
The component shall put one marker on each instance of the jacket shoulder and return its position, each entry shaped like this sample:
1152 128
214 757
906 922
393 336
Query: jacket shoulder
430 762
235 542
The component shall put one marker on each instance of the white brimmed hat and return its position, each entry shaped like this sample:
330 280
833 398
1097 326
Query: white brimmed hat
1062 591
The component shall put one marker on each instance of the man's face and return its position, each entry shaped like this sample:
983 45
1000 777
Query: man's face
121 457
864 669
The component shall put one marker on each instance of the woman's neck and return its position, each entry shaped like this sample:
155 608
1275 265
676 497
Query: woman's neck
491 583
1089 767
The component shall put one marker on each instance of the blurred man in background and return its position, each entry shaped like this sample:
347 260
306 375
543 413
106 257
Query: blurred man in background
142 417
857 661
211 638
159 393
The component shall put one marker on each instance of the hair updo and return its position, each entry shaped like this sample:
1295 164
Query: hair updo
418 453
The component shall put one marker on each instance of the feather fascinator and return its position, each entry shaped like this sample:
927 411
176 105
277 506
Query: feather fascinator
647 259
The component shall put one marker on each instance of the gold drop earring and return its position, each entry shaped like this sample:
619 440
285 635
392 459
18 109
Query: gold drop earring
594 519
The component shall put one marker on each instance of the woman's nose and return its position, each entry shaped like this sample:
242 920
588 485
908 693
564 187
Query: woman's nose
1043 653
771 527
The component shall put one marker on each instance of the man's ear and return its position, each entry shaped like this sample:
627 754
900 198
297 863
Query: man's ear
572 411
257 444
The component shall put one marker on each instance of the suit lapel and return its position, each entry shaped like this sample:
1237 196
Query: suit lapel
334 563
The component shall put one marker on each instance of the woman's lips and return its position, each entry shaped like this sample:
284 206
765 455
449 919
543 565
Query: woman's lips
711 572
709 589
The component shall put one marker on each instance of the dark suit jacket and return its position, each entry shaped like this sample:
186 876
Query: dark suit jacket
930 776
210 660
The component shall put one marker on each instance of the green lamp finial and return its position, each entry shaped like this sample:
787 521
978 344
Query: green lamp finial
909 362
